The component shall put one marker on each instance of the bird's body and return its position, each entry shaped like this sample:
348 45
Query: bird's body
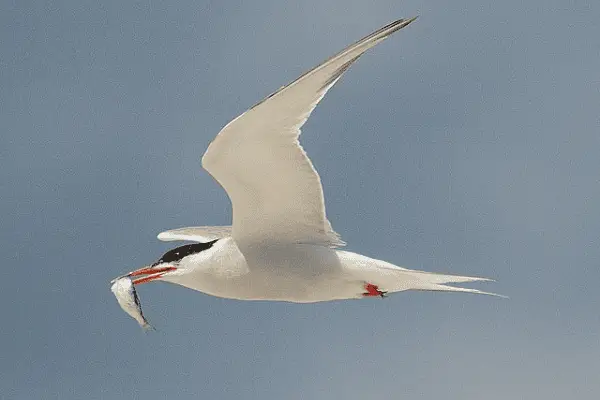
300 273
289 272
281 246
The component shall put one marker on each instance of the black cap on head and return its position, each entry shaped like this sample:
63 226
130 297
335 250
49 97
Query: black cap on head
175 255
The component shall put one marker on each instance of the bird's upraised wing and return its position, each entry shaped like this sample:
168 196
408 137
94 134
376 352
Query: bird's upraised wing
275 191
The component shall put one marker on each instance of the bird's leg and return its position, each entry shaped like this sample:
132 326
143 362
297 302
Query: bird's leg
373 290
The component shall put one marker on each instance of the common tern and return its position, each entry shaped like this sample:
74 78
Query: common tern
281 247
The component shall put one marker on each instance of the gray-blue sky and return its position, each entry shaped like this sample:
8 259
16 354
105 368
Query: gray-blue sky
467 143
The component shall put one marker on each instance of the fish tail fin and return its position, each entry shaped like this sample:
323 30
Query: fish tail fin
147 327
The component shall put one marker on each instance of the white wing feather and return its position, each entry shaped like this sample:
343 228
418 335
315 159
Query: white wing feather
200 234
275 191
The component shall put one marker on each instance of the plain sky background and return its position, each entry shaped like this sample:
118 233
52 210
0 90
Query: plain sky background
467 143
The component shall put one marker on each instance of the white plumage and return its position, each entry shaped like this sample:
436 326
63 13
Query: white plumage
281 245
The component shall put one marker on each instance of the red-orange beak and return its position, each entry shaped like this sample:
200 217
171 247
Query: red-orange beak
152 273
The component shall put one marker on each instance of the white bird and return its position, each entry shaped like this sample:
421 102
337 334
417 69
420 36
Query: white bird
281 246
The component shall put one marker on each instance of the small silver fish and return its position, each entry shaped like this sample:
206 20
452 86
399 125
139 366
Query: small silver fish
124 290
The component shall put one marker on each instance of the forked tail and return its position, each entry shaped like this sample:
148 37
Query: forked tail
380 277
438 282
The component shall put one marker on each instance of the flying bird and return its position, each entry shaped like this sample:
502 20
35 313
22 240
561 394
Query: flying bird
281 247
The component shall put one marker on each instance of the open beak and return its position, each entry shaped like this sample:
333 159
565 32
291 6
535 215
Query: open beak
152 273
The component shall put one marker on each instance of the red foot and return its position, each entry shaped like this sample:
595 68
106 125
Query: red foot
373 290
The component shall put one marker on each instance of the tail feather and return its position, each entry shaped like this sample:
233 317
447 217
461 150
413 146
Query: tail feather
390 278
432 277
407 279
432 281
446 288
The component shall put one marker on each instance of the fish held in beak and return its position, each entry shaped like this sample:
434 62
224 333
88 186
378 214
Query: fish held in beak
124 290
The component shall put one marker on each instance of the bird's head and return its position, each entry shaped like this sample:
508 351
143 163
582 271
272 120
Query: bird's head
173 263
